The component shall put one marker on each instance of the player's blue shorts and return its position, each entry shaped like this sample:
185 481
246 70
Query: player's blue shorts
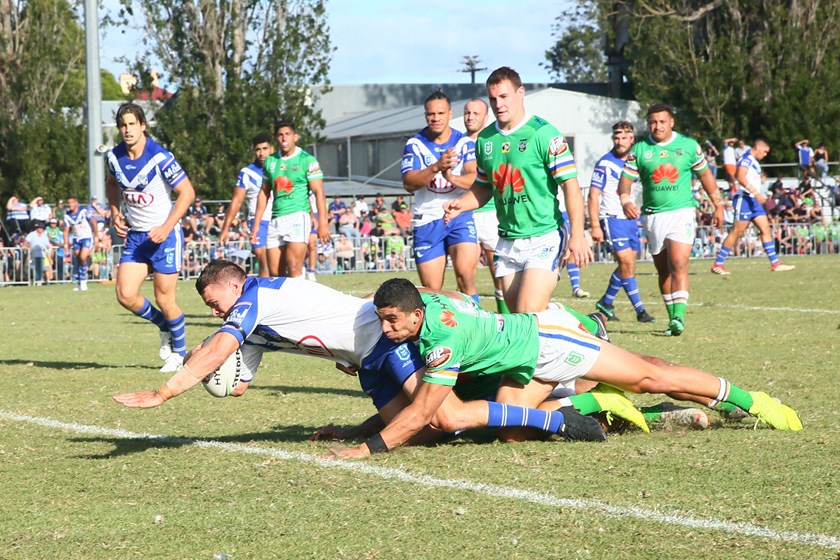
262 233
746 208
432 240
386 368
164 258
621 234
84 243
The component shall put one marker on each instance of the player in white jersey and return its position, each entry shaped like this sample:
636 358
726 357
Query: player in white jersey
611 226
748 204
438 165
79 226
306 318
142 176
486 221
247 187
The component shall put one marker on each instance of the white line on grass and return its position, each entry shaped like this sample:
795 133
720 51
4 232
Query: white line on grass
589 506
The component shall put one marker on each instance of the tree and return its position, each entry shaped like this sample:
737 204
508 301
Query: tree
41 140
238 66
742 68
577 54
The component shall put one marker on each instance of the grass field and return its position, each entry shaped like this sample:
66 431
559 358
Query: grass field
198 477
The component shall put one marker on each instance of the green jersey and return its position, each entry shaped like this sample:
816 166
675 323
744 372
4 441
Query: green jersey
524 166
459 338
665 171
289 178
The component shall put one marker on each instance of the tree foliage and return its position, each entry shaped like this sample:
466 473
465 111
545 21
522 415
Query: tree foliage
42 145
238 66
738 67
577 54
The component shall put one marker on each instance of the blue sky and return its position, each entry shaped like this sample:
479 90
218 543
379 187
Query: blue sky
398 41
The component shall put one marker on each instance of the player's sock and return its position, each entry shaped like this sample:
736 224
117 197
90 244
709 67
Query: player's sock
178 328
500 302
725 407
584 403
731 394
476 298
652 413
680 300
669 304
83 272
506 415
632 288
770 251
574 275
612 290
153 314
722 254
588 323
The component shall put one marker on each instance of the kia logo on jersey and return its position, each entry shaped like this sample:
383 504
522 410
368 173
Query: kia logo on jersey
139 199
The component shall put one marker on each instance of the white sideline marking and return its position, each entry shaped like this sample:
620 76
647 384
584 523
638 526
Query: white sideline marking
589 506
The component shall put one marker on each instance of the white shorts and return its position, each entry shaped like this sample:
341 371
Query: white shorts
516 255
567 350
487 228
676 225
291 228
251 358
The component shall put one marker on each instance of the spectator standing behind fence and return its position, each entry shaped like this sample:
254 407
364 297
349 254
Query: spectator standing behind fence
38 244
17 216
730 163
711 155
58 213
805 156
821 161
345 253
56 237
402 217
748 205
336 209
438 165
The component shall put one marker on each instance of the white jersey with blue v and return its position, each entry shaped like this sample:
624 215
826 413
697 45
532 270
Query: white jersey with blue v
605 178
420 153
250 180
146 183
79 223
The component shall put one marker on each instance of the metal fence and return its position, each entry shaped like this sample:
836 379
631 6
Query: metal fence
372 254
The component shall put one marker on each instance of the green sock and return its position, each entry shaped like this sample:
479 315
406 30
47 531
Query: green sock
501 305
725 407
587 322
739 398
585 403
652 413
679 311
670 308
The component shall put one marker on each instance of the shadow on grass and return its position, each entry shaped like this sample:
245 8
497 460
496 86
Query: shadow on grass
128 446
281 389
72 365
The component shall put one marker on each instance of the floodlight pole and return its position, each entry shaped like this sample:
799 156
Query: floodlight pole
93 112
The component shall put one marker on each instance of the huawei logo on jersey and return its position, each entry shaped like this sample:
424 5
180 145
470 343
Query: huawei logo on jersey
508 176
666 172
138 199
448 318
313 345
282 183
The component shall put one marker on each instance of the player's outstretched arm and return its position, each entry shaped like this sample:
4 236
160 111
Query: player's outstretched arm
579 250
711 188
202 362
232 210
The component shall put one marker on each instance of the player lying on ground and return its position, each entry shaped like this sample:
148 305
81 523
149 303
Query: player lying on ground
306 318
535 352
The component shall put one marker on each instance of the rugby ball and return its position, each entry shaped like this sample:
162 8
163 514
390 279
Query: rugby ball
224 380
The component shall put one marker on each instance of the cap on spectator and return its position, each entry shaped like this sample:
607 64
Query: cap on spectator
39 224
53 221
403 205
61 201
197 199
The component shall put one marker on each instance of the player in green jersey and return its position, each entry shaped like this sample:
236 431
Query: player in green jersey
664 162
290 175
521 161
486 222
535 353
